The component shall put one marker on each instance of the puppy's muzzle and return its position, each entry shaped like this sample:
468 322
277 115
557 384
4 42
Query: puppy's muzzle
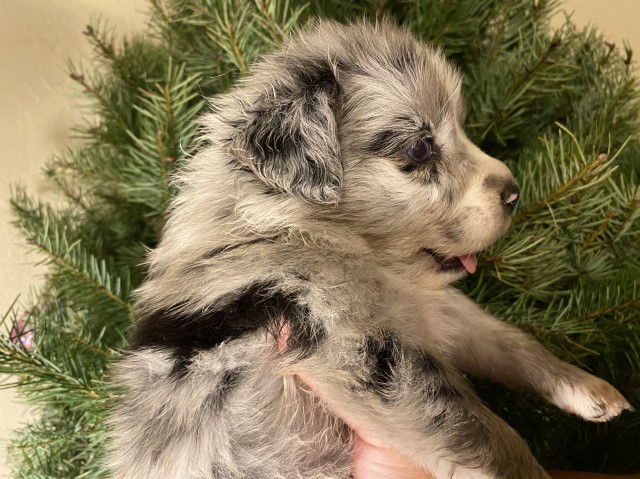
510 196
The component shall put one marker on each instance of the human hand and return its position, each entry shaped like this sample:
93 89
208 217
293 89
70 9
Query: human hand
373 462
368 460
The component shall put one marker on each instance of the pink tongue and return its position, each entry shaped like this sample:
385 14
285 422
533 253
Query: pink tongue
469 261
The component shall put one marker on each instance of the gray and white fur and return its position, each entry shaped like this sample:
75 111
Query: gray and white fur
316 235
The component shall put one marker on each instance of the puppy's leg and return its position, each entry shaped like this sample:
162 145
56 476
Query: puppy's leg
480 344
406 399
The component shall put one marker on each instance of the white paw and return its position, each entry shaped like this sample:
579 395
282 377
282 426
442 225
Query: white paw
591 398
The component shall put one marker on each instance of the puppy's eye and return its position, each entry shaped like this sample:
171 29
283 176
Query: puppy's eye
421 151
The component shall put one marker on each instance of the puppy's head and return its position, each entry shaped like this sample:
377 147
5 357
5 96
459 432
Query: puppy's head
364 125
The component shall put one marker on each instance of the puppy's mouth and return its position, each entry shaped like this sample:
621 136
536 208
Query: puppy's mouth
454 263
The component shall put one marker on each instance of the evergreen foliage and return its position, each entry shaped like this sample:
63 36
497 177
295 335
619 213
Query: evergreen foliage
560 107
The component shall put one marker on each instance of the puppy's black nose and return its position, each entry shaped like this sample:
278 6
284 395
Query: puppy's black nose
510 196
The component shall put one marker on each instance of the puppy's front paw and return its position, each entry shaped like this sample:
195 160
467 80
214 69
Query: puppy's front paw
591 398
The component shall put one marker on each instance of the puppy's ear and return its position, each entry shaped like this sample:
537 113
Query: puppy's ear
288 134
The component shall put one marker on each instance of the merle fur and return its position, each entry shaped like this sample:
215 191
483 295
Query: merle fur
258 307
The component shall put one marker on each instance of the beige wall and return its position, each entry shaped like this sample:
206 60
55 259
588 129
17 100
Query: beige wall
617 19
37 107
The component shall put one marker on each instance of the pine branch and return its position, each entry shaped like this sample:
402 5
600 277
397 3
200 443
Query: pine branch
47 232
167 112
515 98
102 42
277 19
103 101
92 165
571 173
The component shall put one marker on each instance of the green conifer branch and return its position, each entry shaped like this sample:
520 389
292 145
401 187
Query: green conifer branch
277 19
588 174
104 102
232 21
598 231
166 110
50 238
103 43
629 217
46 379
89 165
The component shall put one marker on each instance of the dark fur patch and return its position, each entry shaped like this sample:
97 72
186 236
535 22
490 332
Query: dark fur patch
427 174
313 76
439 382
494 183
270 137
260 306
215 400
286 157
230 247
404 57
304 337
395 140
451 234
382 355
384 143
392 143
427 170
